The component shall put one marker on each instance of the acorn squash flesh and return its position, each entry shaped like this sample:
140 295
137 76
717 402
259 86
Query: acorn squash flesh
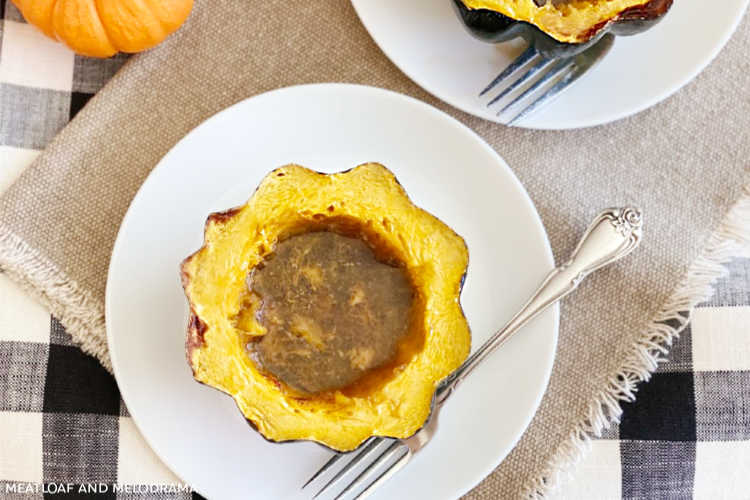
393 400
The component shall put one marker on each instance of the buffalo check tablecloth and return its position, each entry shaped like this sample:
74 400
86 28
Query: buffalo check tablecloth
64 431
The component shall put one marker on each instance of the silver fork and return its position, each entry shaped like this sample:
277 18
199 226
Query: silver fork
543 80
614 233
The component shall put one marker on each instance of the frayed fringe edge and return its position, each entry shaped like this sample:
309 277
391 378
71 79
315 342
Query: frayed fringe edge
731 239
80 314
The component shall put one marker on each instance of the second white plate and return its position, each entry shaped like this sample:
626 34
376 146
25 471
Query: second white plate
426 40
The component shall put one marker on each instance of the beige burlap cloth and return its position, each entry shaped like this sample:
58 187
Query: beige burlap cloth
684 162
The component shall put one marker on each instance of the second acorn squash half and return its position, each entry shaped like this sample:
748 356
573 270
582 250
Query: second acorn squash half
395 401
559 28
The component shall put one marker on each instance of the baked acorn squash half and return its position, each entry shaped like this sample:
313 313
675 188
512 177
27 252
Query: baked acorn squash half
558 28
366 203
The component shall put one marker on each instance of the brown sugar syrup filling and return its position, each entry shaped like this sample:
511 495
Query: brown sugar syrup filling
339 309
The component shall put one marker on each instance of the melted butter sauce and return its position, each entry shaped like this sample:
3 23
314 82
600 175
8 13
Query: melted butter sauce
332 311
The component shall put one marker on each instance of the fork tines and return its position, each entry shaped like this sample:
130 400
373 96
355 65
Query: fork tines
544 78
383 463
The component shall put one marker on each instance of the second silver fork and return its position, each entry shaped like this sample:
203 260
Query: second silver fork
520 93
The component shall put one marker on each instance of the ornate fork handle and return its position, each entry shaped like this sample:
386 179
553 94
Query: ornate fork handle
612 235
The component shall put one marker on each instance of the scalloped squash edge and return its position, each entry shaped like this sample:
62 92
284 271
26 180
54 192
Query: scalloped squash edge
235 241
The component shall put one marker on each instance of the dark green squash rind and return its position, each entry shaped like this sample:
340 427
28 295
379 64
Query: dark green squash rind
494 27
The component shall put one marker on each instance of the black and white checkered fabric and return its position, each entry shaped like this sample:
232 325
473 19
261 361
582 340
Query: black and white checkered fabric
63 425
687 435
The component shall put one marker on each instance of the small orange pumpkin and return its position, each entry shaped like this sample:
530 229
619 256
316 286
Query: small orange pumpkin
101 28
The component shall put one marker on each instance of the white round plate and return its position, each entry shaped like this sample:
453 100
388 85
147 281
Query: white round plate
426 40
446 168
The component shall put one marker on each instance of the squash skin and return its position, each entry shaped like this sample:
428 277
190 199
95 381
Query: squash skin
290 197
494 27
99 28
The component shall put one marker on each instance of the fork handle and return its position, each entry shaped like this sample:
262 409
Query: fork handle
612 235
